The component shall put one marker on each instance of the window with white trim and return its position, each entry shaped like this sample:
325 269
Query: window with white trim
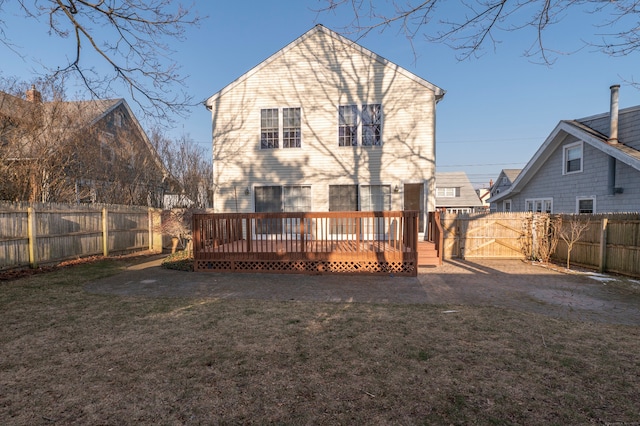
585 204
506 205
375 197
360 126
572 158
296 198
269 128
371 125
293 198
347 125
291 128
280 124
542 205
448 192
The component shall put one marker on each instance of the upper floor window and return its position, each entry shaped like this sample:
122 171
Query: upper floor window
269 129
371 125
448 192
572 158
360 126
291 127
347 125
278 124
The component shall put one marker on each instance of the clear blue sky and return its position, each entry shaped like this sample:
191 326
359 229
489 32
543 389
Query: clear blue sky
498 109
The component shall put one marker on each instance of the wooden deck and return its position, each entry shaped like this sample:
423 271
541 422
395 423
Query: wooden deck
327 242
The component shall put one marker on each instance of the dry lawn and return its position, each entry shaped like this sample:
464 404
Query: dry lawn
69 357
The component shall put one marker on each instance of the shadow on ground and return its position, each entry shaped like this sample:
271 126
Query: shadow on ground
509 284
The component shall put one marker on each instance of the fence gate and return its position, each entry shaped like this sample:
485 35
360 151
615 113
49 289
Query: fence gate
492 235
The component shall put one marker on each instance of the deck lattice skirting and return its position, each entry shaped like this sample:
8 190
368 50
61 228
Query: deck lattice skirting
307 243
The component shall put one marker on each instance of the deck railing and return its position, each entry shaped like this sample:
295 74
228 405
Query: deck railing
435 233
320 242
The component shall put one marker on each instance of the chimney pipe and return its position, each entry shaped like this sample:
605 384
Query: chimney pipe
33 95
613 113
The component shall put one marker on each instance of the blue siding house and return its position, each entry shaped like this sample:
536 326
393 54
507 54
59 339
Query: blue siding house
589 165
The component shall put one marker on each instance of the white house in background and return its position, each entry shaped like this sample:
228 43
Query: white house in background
324 125
589 165
455 194
504 182
484 194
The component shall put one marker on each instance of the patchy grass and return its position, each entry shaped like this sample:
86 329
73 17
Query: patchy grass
73 357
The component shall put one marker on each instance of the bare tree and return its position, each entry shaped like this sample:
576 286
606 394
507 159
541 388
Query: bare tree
37 147
571 232
53 150
469 25
189 165
131 36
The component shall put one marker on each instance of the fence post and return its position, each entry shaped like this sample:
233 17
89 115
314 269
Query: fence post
603 245
155 234
31 233
105 232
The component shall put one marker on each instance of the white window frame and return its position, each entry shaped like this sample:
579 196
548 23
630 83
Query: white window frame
591 198
359 124
531 205
448 192
280 113
565 157
506 203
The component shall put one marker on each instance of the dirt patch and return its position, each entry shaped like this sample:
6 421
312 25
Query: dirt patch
509 284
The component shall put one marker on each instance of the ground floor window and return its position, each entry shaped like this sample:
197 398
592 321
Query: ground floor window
269 199
507 206
375 197
586 205
343 198
542 205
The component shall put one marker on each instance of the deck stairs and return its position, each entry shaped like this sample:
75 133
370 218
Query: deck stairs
427 254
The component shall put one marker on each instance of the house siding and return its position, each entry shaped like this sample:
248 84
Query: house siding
628 125
549 182
319 74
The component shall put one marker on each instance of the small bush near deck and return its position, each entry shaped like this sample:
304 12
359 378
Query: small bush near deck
180 260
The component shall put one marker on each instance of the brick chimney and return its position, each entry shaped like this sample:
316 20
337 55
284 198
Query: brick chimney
33 95
613 114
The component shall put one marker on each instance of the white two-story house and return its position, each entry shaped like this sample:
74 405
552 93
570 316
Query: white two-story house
324 125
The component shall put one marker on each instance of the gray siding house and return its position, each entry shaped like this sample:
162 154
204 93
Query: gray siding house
502 183
455 194
589 165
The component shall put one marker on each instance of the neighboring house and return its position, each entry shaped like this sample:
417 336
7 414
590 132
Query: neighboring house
324 125
484 194
80 151
589 165
504 182
455 194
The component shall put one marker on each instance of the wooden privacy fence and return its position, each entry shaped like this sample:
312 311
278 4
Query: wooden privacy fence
611 242
323 242
484 235
31 234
